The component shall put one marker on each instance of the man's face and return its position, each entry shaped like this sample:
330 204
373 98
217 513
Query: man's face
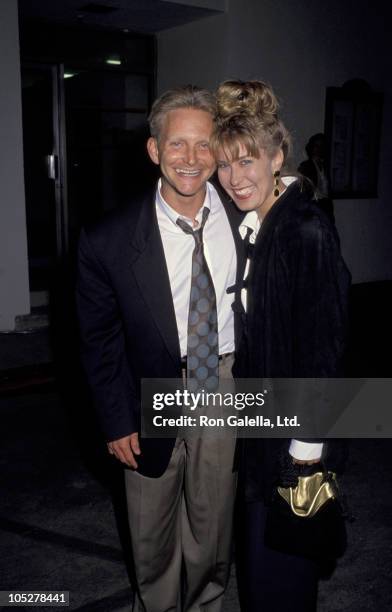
183 155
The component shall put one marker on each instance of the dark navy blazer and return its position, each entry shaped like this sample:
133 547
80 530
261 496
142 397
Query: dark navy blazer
127 319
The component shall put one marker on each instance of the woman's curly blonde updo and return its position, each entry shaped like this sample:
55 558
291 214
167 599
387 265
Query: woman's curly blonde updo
252 98
247 114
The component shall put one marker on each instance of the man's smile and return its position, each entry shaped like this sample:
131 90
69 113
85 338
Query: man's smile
187 172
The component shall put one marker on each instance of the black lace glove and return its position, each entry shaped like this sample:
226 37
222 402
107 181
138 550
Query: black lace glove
289 471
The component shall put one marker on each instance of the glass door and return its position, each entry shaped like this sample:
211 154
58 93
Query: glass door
42 171
106 125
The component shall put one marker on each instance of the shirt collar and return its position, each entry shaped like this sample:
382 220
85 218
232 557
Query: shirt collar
173 215
250 221
289 180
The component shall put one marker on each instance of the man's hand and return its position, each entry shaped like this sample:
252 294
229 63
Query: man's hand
125 449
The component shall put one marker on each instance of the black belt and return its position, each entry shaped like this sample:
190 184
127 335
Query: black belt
184 360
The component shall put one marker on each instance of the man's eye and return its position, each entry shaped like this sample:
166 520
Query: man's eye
176 144
205 145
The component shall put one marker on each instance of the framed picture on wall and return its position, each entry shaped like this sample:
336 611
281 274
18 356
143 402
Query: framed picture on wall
352 129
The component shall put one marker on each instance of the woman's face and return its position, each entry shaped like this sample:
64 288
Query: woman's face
249 181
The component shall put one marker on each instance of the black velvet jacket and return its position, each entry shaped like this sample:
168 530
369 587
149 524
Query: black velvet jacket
297 315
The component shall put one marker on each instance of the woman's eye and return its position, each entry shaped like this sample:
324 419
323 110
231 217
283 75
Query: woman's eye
245 162
222 165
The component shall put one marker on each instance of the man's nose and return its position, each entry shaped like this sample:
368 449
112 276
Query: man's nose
190 155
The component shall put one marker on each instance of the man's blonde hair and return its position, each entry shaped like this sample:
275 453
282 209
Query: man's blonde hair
189 96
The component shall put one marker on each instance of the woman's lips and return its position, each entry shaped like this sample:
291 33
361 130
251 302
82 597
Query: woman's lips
243 194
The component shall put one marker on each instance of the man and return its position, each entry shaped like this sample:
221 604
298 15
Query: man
314 169
134 306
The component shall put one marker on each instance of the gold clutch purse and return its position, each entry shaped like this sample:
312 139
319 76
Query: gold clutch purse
307 520
311 493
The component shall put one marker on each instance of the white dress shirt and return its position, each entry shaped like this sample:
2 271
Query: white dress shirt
220 254
297 449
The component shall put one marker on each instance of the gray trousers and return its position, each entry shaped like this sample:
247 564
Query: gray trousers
181 525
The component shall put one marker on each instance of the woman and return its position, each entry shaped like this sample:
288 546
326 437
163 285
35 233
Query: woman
296 312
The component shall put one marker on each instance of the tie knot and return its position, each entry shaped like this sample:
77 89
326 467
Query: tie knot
197 233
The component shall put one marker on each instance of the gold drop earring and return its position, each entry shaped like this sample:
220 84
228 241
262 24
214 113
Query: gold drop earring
276 176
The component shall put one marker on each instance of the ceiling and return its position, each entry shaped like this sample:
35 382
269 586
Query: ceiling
144 16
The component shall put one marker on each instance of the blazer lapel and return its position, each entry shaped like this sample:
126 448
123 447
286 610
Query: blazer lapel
151 274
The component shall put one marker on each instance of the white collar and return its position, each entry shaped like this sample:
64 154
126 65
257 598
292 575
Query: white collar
288 180
173 214
250 221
